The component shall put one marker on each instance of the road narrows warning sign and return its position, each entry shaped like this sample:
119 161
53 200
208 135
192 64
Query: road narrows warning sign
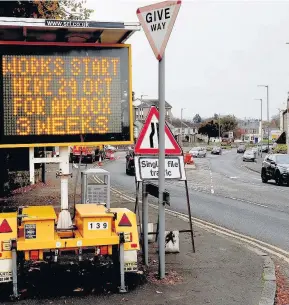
148 141
157 21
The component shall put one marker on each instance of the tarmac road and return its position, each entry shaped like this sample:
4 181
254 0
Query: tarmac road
225 193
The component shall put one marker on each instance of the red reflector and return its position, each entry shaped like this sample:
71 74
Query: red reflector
4 227
34 255
103 250
133 245
0 254
124 222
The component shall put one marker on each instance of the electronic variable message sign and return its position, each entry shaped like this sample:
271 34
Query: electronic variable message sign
64 95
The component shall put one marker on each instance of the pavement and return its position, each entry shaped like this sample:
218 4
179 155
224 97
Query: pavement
222 271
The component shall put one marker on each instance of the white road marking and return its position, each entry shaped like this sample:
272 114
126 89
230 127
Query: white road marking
234 177
282 254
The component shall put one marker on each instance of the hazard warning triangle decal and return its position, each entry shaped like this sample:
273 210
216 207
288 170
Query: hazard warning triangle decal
148 140
4 227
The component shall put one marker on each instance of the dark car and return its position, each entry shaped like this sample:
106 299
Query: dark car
129 168
216 150
276 167
241 149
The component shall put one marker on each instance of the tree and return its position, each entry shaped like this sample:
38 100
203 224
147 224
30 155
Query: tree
66 9
197 119
228 123
216 116
209 128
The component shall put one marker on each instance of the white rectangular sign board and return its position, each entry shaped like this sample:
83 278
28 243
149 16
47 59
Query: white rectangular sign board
147 168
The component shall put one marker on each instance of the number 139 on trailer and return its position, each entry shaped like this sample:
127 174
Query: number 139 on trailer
97 225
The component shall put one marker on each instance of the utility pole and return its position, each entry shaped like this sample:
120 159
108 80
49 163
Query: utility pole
182 126
219 129
261 123
141 109
267 91
287 127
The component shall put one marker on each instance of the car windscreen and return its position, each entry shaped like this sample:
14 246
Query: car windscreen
282 159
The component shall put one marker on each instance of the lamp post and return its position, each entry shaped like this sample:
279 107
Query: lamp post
287 127
219 128
182 126
267 90
141 109
261 127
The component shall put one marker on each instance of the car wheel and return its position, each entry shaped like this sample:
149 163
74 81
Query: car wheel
263 176
278 179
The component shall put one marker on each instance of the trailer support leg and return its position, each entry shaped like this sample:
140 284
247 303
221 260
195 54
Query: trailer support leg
122 288
14 273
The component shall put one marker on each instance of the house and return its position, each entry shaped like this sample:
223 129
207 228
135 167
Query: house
185 131
250 130
142 108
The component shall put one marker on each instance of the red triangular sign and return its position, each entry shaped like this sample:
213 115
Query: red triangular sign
124 222
4 227
157 21
148 142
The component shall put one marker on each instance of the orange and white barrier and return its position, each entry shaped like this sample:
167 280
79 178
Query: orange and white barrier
99 161
112 156
189 159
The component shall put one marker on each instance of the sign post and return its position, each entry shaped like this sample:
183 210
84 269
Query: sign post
157 21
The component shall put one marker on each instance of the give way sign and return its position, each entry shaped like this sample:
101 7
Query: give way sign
157 21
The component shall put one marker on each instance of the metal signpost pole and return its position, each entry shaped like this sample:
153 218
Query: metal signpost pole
161 238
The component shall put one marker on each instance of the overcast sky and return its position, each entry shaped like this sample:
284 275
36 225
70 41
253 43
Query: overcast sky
218 53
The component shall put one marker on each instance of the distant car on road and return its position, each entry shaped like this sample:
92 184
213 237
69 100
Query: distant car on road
198 152
130 167
276 167
249 155
216 150
241 149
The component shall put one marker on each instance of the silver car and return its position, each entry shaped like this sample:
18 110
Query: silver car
249 155
198 152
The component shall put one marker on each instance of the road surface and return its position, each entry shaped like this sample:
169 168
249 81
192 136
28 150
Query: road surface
222 191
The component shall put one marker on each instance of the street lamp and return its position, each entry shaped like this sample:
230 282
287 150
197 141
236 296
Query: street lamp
267 90
261 119
141 109
182 126
219 129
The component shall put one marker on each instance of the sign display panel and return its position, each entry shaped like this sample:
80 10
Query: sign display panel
53 94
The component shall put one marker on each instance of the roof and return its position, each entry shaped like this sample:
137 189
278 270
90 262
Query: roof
147 103
33 29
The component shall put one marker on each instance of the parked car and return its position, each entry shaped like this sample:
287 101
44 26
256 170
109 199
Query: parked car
276 167
198 152
241 149
109 147
130 167
216 150
249 155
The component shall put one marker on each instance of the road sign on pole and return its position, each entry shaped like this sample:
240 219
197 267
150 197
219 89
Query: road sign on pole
148 140
158 20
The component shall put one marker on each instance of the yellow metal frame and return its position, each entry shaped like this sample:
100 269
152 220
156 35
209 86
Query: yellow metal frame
94 143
